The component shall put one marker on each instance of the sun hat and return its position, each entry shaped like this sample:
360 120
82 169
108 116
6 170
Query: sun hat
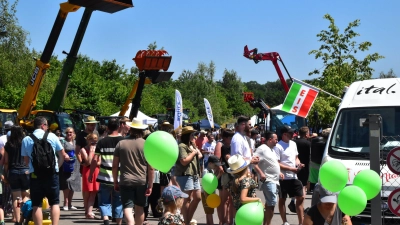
203 132
91 119
137 124
237 164
188 130
170 193
167 124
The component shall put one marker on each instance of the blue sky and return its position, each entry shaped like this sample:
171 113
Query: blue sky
201 31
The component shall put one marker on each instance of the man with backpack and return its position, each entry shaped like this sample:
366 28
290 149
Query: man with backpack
39 151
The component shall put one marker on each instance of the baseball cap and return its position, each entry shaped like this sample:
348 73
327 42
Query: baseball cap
170 193
214 159
8 125
327 196
287 129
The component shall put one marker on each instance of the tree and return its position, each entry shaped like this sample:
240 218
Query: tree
389 74
341 67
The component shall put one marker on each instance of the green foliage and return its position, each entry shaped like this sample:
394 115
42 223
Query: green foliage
389 74
341 66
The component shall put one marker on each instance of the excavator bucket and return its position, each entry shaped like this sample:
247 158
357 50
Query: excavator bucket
152 60
109 6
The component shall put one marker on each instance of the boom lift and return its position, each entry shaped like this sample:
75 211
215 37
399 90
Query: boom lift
274 57
54 114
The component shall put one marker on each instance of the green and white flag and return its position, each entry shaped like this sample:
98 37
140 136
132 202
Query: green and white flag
300 99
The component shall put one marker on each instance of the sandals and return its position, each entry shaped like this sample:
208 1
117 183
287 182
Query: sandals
91 216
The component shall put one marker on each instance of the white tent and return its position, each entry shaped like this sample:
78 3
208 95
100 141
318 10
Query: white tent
146 119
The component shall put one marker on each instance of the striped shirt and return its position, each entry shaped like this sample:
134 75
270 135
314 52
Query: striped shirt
105 149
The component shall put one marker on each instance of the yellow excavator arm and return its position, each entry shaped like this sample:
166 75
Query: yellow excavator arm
125 107
32 90
42 64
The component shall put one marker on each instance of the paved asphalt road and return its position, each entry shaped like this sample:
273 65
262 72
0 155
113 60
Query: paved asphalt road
77 216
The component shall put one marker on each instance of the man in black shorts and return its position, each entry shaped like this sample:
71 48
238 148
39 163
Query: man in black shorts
287 154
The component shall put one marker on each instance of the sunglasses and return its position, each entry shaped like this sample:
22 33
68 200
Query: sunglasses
70 132
93 143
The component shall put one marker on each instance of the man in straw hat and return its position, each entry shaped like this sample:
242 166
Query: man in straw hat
135 172
104 154
166 126
80 141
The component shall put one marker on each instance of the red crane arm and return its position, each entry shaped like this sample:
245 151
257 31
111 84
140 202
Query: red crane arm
271 56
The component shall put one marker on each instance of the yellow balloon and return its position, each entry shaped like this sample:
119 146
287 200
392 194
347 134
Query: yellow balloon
213 201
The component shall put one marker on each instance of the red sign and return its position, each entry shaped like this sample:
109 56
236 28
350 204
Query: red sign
393 160
394 202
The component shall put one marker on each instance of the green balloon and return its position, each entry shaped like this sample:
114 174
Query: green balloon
161 150
250 214
209 183
352 200
370 182
333 176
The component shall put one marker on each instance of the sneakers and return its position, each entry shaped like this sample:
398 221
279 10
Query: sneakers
193 222
286 223
65 208
292 207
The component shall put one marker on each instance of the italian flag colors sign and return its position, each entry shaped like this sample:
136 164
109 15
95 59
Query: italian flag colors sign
300 99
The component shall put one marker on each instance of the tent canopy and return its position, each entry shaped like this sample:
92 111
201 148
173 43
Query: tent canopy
146 119
205 124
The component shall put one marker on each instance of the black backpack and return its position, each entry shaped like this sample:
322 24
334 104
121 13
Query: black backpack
43 157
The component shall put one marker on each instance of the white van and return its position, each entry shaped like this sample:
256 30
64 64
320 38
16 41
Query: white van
349 139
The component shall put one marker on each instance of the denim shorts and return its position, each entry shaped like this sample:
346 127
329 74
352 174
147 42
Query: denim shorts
271 193
188 183
45 187
133 195
108 208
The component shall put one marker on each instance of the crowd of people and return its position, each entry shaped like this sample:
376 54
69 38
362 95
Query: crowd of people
107 164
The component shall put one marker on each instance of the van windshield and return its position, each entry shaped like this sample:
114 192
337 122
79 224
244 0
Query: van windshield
351 138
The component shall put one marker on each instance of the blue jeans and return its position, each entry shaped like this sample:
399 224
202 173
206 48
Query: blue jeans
106 195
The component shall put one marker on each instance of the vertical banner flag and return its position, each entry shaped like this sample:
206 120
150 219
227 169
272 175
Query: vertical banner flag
209 113
178 110
300 99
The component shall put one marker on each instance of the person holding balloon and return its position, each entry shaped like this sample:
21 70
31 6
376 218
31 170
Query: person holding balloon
326 211
187 172
242 188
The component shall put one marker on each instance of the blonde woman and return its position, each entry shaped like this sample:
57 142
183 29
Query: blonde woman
70 176
89 190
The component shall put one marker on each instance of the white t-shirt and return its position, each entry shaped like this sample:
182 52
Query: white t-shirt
286 154
239 145
209 147
268 163
252 144
3 141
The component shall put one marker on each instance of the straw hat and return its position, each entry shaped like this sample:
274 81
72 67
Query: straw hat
167 124
91 119
137 124
188 130
237 164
